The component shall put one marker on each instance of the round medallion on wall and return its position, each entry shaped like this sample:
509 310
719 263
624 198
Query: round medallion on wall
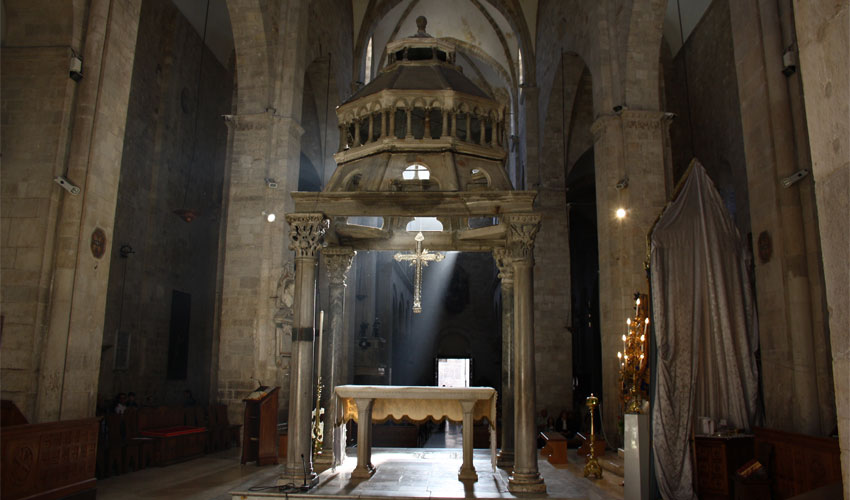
98 243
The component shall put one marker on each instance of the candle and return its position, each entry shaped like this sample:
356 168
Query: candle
624 343
321 324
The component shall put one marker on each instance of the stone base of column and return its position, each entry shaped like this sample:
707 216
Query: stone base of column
323 461
298 478
363 471
467 474
505 459
526 483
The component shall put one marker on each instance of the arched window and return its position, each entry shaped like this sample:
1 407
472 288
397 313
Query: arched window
367 77
416 172
424 224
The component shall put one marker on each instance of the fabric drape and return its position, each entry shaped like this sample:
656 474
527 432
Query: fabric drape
705 326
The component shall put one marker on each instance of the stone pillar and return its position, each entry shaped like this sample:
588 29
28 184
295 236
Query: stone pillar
408 131
622 242
357 133
792 329
532 137
383 124
427 134
823 38
337 263
467 469
482 122
506 274
364 468
306 231
525 477
392 123
371 127
454 125
468 136
73 337
444 132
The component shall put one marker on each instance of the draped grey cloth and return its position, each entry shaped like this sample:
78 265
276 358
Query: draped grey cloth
705 327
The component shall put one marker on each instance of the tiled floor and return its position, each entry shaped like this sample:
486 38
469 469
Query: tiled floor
402 473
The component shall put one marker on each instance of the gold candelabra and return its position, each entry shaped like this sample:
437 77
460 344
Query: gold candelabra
592 467
318 435
632 359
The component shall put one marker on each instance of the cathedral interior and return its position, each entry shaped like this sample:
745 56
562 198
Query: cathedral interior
201 198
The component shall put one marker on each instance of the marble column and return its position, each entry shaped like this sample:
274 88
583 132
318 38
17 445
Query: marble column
506 274
525 477
364 468
337 262
467 469
306 231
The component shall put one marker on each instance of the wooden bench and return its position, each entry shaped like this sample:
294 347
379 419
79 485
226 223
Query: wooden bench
555 449
174 441
50 460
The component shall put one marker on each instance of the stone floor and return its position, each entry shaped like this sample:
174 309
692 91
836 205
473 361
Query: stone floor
412 473
402 473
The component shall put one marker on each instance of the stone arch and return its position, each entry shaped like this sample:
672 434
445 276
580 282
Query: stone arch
253 61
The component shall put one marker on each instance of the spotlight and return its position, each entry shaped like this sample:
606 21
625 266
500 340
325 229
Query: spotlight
269 216
621 213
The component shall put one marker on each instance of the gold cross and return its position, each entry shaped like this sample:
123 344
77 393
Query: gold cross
418 259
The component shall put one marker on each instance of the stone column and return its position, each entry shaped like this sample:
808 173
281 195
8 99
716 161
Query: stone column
427 134
467 469
408 131
454 125
482 126
364 468
823 38
337 262
392 123
444 132
357 133
468 136
306 231
506 274
622 242
383 123
371 127
521 232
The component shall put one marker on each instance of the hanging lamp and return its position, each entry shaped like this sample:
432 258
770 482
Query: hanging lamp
186 213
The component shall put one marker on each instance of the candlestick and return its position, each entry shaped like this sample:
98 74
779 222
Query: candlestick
321 325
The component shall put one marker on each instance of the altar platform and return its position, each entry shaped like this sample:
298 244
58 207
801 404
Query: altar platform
416 473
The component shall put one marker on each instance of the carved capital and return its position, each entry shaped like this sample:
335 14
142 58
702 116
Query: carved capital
504 264
305 233
338 262
522 230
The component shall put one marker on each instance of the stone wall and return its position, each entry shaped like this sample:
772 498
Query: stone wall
167 164
823 38
33 147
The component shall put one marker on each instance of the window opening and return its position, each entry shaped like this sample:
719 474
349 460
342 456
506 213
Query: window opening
368 73
416 172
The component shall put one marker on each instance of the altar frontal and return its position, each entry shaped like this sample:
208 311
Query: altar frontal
363 403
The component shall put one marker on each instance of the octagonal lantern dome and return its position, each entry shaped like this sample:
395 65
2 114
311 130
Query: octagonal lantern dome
421 125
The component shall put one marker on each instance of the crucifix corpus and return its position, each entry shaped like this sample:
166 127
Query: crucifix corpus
418 259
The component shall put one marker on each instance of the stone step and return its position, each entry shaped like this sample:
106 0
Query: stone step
612 463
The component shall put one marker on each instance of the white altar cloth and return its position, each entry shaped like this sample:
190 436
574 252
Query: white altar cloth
460 404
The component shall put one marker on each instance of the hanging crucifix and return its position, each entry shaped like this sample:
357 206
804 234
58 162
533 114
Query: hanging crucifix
419 259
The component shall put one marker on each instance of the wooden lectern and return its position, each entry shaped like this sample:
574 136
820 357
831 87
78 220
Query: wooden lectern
259 438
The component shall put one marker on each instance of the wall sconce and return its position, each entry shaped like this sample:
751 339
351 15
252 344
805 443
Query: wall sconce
621 213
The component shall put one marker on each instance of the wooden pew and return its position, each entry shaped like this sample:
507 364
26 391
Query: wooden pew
555 449
801 463
50 460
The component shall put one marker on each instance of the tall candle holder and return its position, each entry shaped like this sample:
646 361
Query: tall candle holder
633 358
592 467
318 434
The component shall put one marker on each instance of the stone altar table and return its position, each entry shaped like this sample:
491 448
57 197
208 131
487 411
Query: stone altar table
362 403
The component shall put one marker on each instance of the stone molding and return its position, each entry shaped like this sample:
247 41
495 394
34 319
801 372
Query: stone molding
505 264
263 121
338 262
306 231
638 119
522 229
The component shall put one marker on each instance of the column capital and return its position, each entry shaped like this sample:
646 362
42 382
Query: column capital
338 262
522 229
640 119
504 263
306 231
